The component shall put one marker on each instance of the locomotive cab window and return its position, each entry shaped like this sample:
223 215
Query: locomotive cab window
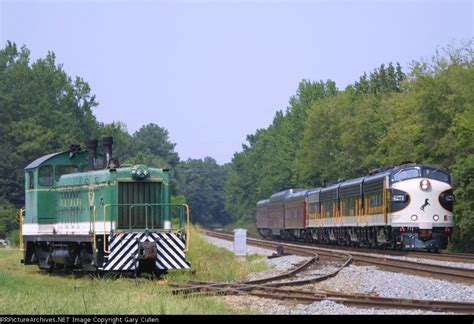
406 174
45 175
64 169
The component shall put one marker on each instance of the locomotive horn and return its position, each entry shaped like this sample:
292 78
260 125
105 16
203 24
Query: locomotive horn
92 149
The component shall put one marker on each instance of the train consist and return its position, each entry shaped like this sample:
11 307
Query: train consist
84 211
407 207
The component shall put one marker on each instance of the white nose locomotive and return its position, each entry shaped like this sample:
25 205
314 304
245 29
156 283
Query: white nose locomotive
409 207
421 206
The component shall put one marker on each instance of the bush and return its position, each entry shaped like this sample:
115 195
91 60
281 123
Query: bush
8 218
14 238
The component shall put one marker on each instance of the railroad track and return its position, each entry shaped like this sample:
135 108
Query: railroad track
454 274
448 256
441 256
275 288
303 296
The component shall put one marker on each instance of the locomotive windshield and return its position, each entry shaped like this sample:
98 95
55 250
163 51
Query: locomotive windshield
406 174
436 174
421 171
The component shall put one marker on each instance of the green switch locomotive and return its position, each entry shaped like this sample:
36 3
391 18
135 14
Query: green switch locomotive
84 211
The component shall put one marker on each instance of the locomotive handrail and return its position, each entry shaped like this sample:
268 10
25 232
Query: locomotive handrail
187 225
21 216
105 220
130 209
94 211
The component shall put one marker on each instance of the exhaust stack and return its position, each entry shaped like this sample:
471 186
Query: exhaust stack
110 162
92 149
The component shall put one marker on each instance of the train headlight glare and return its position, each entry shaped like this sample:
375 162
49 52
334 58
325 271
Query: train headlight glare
435 218
425 185
414 218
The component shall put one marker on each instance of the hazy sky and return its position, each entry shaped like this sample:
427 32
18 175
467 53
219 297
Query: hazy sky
212 72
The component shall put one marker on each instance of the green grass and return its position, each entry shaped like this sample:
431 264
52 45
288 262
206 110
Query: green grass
26 290
255 263
210 262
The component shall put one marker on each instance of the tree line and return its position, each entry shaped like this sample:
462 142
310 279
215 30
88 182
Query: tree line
387 117
43 110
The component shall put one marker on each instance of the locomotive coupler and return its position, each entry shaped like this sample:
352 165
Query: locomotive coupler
147 251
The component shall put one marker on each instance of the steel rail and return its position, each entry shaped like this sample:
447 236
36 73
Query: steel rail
271 288
272 281
441 256
303 296
450 273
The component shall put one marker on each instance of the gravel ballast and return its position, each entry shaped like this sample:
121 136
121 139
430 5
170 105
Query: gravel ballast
435 262
372 281
325 307
353 280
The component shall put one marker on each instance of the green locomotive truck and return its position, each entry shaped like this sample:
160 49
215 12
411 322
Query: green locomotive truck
84 211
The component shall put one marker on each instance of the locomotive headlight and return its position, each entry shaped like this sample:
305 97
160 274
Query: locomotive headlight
435 218
425 185
414 218
140 171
